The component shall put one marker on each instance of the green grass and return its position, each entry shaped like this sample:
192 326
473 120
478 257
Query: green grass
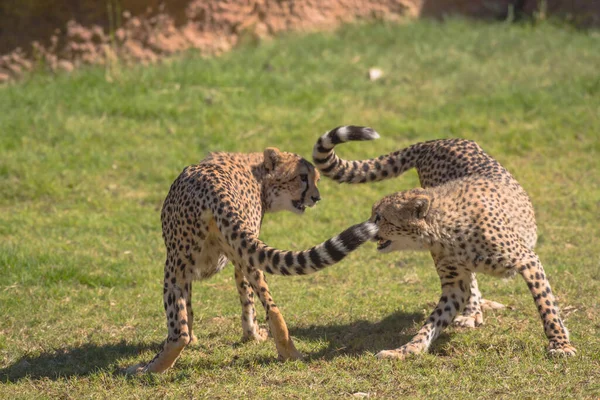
86 160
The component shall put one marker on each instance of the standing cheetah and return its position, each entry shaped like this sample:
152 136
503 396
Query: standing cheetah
213 214
471 215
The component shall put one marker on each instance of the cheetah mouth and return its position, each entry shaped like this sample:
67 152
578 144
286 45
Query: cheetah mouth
298 205
383 244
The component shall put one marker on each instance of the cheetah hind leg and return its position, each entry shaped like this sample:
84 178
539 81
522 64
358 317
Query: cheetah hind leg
532 271
472 315
178 338
251 331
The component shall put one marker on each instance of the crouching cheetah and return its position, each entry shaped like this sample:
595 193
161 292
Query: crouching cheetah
436 167
213 214
471 215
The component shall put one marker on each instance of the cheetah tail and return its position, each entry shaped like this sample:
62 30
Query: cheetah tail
333 250
360 171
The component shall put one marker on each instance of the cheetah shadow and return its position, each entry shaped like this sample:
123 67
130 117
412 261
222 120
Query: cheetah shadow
67 362
360 337
352 339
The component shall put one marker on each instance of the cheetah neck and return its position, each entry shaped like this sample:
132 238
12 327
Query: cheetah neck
440 222
262 177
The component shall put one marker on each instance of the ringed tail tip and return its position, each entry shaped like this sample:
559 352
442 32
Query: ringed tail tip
347 133
353 133
371 134
371 229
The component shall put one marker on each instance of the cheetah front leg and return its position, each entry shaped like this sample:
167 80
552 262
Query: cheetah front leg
250 328
472 315
455 292
277 326
532 271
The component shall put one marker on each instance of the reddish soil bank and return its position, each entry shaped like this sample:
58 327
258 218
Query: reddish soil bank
65 34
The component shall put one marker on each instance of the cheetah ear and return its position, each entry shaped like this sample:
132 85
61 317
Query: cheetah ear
272 158
420 206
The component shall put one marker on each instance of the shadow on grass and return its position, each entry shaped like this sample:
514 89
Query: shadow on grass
360 337
78 361
351 339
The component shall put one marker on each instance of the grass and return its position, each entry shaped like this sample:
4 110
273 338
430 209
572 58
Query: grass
86 160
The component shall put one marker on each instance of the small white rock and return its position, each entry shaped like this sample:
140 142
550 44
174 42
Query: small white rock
375 73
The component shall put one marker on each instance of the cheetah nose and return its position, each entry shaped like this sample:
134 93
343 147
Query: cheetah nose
315 198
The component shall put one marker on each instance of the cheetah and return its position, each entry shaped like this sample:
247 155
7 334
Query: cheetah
471 214
438 167
212 214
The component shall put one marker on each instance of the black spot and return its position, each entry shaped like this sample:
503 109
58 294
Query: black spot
252 249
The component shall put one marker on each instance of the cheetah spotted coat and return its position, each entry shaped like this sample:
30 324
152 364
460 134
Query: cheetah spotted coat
212 215
471 215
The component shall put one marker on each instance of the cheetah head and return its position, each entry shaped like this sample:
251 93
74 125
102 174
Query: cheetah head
401 218
291 181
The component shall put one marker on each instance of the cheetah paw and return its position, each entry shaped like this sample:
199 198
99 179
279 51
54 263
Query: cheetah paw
135 369
293 356
193 339
260 335
468 321
289 352
400 353
561 350
391 354
491 305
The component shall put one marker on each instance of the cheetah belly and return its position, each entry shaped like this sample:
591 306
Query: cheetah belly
495 268
211 255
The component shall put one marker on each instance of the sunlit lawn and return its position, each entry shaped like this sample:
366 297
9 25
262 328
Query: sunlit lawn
87 159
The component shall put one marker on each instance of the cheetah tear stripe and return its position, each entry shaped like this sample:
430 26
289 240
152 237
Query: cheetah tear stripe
343 171
333 250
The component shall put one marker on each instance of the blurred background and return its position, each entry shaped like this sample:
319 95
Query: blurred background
63 34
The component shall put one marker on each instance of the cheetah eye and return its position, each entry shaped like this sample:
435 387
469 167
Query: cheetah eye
377 218
304 178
